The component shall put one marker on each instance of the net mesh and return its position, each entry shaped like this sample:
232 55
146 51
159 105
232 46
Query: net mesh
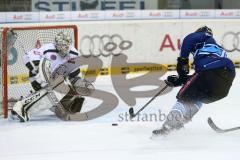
18 84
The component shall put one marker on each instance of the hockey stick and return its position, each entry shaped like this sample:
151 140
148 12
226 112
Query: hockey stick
131 111
219 130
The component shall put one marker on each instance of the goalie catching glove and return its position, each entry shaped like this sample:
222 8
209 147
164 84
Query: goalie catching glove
82 86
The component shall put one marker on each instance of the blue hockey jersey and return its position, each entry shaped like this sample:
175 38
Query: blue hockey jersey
207 54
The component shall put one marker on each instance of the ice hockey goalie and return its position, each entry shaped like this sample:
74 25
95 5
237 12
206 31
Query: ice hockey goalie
60 88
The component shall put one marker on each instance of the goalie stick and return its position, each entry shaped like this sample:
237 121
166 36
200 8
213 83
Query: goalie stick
131 111
219 130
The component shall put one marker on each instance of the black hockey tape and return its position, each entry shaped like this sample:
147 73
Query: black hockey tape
131 112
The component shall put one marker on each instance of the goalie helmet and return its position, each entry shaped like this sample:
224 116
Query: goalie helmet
205 29
62 43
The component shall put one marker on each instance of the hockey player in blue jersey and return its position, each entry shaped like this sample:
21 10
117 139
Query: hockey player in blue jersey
212 80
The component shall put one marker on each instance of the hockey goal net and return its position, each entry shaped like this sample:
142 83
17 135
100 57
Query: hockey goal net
14 43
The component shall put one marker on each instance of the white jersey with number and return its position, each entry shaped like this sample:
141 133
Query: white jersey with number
33 55
49 52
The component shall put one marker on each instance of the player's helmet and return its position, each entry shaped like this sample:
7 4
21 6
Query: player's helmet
205 29
62 43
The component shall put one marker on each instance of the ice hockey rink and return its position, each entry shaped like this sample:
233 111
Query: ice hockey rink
48 138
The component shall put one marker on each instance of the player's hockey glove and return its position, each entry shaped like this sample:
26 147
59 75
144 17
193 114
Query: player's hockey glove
182 70
175 81
182 66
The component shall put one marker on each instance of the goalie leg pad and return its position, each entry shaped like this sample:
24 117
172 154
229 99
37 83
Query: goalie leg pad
72 103
32 104
19 112
76 105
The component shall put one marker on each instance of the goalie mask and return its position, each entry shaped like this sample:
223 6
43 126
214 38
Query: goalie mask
62 43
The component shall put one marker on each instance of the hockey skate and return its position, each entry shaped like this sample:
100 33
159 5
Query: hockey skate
161 132
18 111
166 130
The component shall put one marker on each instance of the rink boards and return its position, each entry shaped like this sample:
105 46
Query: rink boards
140 41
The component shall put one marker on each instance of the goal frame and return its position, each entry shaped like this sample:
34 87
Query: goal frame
4 56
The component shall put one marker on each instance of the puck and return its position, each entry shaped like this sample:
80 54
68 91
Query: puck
114 124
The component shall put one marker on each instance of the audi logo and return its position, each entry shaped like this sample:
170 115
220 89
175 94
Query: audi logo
231 41
104 45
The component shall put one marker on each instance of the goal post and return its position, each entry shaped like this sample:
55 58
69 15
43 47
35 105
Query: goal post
4 84
14 42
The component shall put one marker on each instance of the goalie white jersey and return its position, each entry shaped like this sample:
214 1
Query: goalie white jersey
31 56
50 52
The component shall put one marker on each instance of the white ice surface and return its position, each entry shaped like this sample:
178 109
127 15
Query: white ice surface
47 138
